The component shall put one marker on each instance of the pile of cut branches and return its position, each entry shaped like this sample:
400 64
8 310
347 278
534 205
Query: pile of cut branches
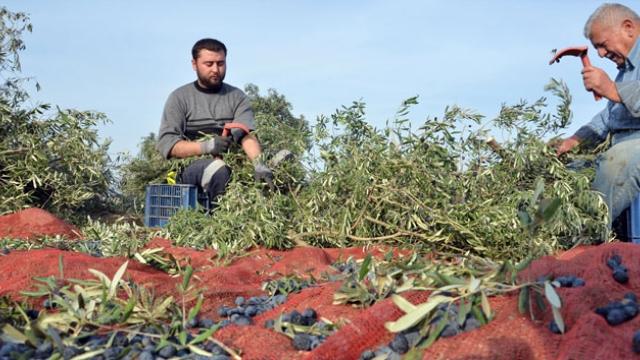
450 186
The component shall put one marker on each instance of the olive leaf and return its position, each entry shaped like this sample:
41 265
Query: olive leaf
204 335
364 268
551 295
539 190
525 219
523 300
11 334
557 317
549 208
199 351
478 314
113 286
463 309
193 312
416 315
486 307
435 333
474 284
403 303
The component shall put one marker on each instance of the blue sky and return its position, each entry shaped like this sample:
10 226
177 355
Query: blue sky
123 58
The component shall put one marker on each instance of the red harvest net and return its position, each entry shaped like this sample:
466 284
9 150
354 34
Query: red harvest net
509 335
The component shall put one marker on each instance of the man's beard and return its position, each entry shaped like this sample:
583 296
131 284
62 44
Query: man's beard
209 83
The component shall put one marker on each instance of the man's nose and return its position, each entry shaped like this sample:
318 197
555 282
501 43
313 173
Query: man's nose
602 52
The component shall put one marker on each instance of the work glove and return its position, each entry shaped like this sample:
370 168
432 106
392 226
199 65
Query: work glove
280 157
263 173
215 146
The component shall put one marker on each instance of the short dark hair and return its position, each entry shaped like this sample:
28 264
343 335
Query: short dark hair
208 44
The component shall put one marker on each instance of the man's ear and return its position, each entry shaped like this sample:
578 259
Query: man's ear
193 64
630 28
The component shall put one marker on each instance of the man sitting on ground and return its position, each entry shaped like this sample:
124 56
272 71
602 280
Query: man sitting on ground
204 107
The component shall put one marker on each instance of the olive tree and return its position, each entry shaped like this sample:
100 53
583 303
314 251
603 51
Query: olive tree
50 158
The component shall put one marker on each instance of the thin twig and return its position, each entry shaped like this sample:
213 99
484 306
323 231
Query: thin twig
14 151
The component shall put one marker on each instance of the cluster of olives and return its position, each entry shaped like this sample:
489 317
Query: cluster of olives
410 338
307 319
142 346
617 312
620 272
246 309
570 281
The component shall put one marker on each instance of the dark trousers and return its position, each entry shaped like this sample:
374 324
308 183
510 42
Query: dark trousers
193 175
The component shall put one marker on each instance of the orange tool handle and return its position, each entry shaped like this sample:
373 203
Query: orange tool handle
585 63
226 130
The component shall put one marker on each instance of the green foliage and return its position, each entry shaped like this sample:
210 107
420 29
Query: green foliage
277 127
323 328
36 169
52 161
244 218
12 26
459 289
159 259
147 167
117 239
449 186
84 308
120 238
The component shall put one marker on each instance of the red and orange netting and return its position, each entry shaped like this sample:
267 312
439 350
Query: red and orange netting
510 335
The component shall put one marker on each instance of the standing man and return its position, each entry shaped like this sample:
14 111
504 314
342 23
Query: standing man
204 107
613 29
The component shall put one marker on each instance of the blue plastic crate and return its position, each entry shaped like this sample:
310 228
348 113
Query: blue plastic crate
162 201
633 222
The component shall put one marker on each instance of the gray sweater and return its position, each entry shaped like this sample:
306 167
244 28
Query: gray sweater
191 111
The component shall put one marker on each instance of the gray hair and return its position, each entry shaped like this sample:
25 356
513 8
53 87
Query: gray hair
610 14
